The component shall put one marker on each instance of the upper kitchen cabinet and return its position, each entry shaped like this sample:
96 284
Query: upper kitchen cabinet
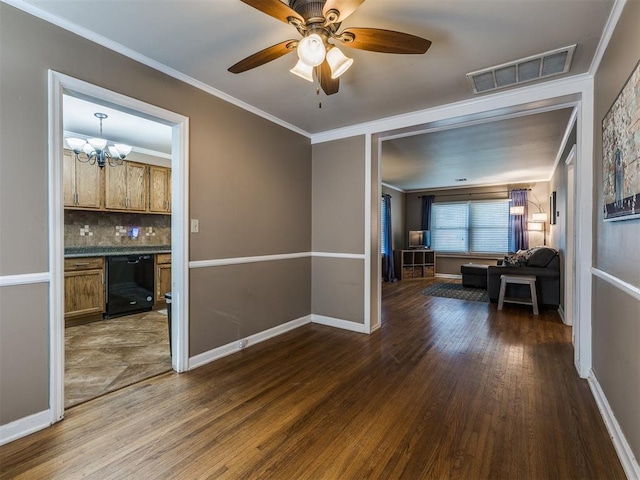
81 183
159 189
126 187
132 186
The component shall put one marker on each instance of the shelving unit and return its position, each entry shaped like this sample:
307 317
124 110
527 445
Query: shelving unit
414 263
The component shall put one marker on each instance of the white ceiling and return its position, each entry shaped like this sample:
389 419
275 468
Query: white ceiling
120 127
201 39
518 150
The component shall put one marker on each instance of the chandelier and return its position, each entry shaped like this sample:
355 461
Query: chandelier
95 150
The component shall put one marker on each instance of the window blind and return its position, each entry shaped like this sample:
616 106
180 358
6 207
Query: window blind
471 227
449 227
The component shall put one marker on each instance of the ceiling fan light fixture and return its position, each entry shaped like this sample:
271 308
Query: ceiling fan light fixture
338 62
303 71
311 50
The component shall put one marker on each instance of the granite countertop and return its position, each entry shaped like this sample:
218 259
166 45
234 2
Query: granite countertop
76 252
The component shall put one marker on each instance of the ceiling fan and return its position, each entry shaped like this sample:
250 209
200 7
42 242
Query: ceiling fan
318 21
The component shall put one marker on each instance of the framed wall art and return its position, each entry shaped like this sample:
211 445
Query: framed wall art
621 152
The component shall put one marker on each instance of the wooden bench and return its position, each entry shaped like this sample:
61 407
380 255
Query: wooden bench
518 279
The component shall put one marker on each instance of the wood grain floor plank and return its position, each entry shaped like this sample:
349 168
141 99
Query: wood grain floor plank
445 389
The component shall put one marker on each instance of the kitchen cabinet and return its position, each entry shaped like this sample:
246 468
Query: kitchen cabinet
163 276
126 187
83 286
159 189
81 183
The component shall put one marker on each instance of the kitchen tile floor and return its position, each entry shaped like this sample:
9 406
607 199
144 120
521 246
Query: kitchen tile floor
107 355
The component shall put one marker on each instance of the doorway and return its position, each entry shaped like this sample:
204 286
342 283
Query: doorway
59 84
117 250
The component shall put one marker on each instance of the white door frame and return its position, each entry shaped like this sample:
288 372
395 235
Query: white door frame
570 234
58 83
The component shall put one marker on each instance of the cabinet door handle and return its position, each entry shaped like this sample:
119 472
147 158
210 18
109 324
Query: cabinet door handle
82 264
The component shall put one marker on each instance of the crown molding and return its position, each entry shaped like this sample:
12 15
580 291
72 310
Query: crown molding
127 52
607 33
135 149
520 96
392 187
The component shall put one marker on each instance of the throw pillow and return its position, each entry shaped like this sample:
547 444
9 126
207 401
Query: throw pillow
518 259
541 257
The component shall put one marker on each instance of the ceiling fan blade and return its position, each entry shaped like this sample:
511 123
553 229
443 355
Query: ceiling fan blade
345 7
384 41
274 8
329 85
264 56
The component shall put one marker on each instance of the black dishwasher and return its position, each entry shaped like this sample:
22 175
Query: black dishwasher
129 284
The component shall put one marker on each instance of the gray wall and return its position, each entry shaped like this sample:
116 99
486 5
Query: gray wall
250 188
338 212
616 315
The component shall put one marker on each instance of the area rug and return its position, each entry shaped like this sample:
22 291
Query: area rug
456 290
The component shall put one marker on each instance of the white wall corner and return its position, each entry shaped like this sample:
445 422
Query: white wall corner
24 426
233 347
625 454
338 323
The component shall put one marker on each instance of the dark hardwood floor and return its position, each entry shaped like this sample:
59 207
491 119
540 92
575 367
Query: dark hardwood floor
445 389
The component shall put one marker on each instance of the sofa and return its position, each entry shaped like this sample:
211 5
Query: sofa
542 262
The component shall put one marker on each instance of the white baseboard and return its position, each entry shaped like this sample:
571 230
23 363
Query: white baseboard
375 327
561 313
24 426
625 454
338 323
448 275
228 349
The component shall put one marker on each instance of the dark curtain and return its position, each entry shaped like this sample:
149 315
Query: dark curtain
427 201
519 236
390 273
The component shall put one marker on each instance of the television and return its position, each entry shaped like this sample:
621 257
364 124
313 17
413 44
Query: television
419 239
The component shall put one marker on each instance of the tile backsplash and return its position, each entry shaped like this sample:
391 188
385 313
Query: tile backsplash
114 229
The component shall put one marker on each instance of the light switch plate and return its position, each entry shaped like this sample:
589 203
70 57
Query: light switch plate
195 225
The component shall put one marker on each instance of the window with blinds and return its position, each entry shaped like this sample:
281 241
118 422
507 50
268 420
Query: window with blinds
471 227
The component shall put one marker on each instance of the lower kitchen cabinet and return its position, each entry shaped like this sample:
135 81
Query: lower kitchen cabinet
83 286
163 276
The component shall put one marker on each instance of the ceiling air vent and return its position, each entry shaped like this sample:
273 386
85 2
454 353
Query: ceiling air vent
524 70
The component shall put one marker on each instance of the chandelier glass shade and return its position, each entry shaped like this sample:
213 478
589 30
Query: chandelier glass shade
95 150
